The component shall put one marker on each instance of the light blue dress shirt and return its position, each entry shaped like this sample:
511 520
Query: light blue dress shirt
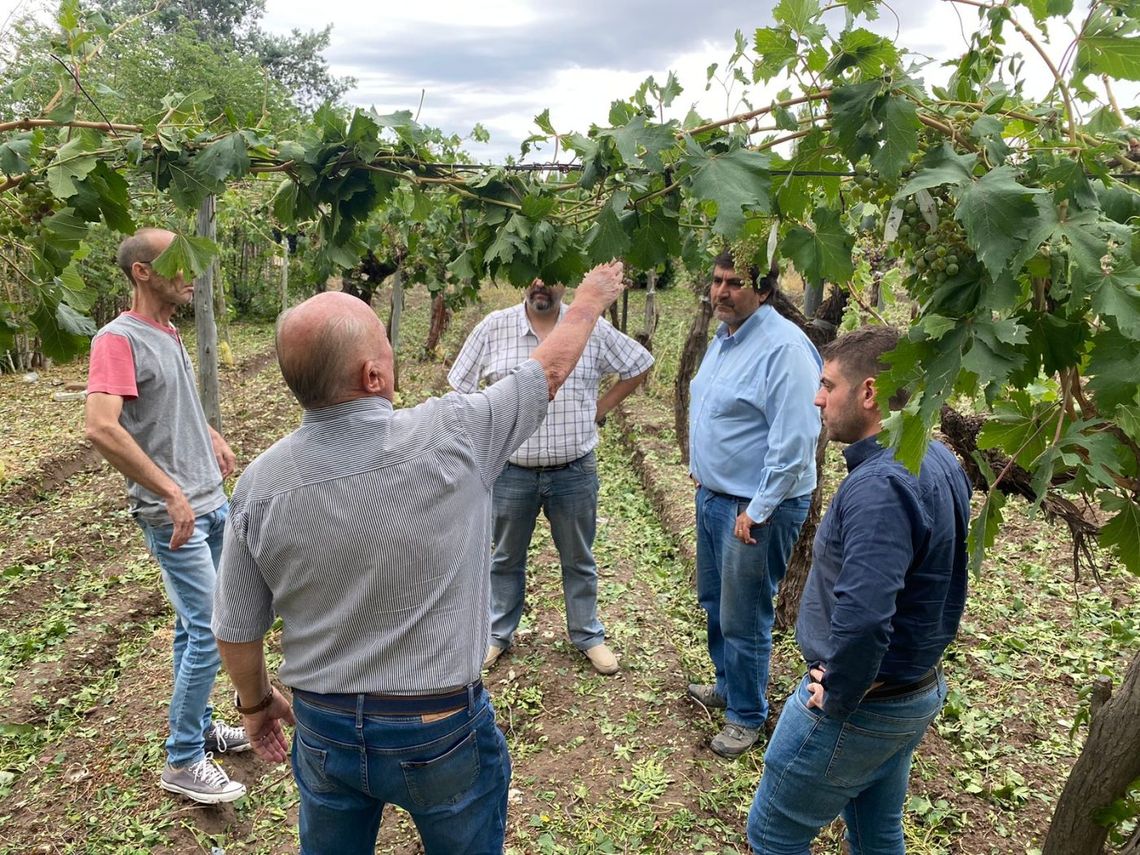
753 423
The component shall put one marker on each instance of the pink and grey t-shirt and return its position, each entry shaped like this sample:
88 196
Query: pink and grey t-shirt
146 365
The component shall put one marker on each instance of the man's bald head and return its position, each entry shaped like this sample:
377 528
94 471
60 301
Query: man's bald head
144 246
332 348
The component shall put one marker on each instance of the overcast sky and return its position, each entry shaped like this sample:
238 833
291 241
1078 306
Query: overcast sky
501 62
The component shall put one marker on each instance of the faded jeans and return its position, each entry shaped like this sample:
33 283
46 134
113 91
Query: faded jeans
569 498
189 574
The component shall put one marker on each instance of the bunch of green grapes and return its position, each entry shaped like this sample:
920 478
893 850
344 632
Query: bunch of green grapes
751 249
23 207
935 254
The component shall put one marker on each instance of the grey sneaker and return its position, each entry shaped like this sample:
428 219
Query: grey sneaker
734 740
204 782
223 739
707 695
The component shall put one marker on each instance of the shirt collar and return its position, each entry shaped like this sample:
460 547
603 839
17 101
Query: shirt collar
524 320
345 409
752 322
857 452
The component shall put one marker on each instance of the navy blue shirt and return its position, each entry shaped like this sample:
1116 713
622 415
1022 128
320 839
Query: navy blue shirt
888 579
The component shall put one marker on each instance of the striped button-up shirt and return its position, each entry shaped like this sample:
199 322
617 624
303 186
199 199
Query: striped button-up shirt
368 531
504 339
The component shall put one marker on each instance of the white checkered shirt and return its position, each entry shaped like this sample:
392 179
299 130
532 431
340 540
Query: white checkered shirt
504 340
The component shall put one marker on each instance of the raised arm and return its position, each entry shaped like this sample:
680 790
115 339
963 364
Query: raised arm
559 352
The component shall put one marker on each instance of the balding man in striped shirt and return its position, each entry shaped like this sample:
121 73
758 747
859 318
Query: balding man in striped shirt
367 530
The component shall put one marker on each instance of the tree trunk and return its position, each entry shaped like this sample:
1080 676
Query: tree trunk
694 350
394 325
1109 763
204 324
650 306
284 296
792 586
813 296
440 317
624 308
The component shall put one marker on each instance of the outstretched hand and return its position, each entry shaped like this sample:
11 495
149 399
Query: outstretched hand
603 283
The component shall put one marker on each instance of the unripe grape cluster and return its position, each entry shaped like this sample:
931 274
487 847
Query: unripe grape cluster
23 207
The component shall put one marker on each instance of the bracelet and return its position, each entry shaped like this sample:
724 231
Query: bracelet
256 708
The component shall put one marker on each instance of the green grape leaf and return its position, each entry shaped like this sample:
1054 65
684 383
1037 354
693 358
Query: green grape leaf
15 153
57 341
73 322
1021 435
941 165
607 238
823 255
852 112
656 238
1123 531
1113 366
640 142
1070 182
1117 294
998 215
224 158
908 434
736 181
996 350
900 126
984 529
776 50
71 164
543 122
799 16
536 207
284 202
862 49
190 256
1116 56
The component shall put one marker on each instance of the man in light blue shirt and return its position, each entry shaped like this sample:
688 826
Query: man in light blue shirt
753 427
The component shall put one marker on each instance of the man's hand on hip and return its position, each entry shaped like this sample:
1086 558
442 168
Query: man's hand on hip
815 687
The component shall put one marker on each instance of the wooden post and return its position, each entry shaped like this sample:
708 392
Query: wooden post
650 305
285 272
394 325
813 296
204 323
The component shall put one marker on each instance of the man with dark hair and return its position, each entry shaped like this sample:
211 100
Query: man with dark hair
368 531
144 416
753 430
883 600
555 470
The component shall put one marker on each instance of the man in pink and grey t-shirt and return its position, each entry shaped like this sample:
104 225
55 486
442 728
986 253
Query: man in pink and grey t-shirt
144 416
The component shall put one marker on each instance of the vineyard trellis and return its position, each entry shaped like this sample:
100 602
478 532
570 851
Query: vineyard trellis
1013 220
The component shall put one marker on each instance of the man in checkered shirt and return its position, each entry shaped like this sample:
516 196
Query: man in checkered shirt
555 470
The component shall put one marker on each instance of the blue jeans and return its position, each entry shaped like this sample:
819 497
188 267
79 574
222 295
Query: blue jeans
817 767
569 498
736 583
451 775
189 574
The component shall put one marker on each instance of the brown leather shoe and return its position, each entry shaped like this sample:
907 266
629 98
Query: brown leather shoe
603 659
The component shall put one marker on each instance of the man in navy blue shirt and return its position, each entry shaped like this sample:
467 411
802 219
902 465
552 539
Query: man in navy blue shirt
883 600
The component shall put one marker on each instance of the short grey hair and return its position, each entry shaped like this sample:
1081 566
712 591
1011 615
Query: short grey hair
139 247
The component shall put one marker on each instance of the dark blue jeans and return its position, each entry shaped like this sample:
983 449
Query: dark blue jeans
451 775
736 583
817 767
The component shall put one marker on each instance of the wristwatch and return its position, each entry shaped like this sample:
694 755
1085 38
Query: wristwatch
256 708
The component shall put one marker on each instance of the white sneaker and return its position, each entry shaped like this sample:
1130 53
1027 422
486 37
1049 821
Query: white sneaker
204 782
226 739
